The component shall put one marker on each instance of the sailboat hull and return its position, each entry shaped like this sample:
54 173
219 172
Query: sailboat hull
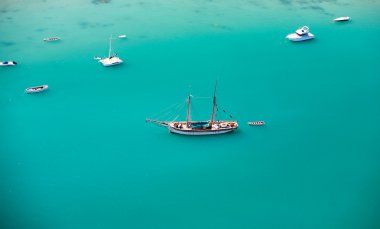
199 133
203 128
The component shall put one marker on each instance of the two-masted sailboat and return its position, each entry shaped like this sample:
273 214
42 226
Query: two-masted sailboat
112 59
190 127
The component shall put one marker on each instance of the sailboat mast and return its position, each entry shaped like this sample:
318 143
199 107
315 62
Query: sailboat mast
214 105
188 111
110 50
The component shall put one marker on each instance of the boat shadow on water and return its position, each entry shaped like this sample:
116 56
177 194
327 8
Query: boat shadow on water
342 23
42 93
303 42
114 67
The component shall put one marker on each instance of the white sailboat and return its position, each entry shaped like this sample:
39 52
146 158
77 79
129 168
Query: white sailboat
189 127
112 59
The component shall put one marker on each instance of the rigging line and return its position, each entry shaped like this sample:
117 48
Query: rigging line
179 108
174 108
175 105
167 110
170 114
224 111
164 110
175 116
172 118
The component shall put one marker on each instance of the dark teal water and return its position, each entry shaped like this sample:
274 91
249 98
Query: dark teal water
80 155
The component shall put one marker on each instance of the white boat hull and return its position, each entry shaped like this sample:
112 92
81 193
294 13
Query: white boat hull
37 89
342 19
49 39
111 61
199 133
220 127
296 37
257 123
8 63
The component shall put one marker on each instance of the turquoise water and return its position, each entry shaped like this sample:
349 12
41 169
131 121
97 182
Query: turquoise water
80 155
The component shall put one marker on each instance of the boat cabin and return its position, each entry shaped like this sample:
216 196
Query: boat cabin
302 31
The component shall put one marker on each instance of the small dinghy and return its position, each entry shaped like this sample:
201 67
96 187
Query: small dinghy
342 19
52 39
122 36
8 63
301 34
97 58
30 90
257 123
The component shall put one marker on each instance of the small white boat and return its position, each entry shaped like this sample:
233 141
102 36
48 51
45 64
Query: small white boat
342 19
122 36
256 123
52 39
8 63
97 58
111 60
301 34
36 89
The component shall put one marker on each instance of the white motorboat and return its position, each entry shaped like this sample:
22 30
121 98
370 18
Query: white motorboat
112 59
342 19
301 34
8 63
36 89
122 36
52 39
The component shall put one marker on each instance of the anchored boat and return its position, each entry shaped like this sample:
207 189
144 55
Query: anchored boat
301 34
112 59
190 127
36 89
8 63
339 19
342 19
256 123
52 39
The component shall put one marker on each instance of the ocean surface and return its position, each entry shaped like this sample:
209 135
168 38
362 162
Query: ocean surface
81 155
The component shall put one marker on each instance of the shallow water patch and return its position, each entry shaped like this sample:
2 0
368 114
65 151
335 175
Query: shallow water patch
96 2
7 43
